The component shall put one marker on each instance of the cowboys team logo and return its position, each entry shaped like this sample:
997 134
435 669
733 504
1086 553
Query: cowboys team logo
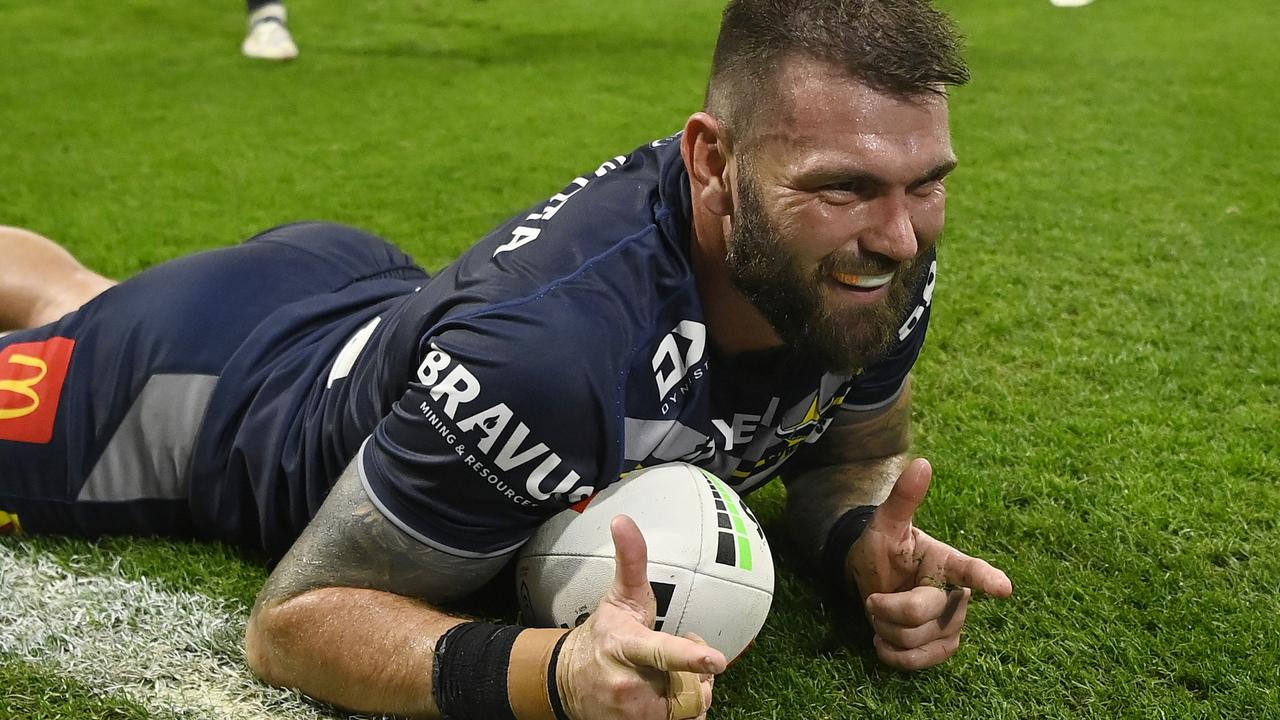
816 418
31 378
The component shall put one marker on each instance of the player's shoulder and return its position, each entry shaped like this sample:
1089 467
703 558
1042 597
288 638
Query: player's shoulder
630 210
593 264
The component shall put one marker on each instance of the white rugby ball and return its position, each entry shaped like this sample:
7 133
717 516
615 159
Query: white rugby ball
709 561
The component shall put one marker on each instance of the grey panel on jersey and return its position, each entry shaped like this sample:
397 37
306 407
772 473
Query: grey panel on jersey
149 456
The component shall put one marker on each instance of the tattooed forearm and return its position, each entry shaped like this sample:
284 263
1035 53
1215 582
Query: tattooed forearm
350 543
855 463
818 497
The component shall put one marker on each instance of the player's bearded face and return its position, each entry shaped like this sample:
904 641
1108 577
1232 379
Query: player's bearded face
796 297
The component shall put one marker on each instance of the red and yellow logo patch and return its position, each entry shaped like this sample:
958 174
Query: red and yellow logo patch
31 377
9 524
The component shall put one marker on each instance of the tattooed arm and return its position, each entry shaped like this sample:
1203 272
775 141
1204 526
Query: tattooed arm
339 619
855 463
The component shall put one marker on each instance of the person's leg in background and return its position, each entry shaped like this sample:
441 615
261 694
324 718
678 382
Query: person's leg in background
268 37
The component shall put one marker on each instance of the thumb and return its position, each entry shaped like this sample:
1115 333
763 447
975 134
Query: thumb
631 568
661 651
896 512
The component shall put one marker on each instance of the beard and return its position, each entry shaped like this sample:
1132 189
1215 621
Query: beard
796 301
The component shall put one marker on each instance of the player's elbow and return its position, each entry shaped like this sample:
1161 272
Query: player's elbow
266 642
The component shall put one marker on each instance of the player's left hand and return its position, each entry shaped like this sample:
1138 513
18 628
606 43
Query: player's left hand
616 666
916 589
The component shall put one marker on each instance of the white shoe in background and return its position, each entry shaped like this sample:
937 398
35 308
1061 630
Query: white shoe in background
269 37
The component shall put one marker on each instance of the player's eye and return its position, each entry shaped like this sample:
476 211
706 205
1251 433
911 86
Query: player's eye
926 189
857 188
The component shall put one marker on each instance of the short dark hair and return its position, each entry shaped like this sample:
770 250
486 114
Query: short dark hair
901 47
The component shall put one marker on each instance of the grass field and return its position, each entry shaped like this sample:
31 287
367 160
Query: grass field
1100 394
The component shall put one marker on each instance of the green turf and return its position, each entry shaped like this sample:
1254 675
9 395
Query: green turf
1100 394
30 693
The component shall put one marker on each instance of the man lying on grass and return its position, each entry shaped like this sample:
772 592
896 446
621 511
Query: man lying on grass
748 295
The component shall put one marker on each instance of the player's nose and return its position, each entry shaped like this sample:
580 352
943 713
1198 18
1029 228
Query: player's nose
891 233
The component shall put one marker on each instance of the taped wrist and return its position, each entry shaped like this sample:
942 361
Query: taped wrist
485 671
840 539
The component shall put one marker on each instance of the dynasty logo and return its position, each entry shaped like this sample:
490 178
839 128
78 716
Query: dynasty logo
31 378
679 356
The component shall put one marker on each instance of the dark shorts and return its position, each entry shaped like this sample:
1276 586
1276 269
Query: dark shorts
101 411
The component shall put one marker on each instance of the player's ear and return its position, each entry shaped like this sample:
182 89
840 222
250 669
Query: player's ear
706 151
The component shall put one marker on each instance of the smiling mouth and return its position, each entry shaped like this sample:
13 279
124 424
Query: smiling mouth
862 282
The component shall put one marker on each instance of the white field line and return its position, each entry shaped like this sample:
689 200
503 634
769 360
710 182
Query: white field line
177 654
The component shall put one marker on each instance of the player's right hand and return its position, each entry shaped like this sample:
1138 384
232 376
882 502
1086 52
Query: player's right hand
916 589
615 665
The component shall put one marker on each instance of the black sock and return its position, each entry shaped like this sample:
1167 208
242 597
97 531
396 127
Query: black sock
257 4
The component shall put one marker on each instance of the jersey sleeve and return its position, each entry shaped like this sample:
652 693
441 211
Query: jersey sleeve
879 385
505 422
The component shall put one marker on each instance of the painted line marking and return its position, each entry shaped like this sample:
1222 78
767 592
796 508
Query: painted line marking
177 654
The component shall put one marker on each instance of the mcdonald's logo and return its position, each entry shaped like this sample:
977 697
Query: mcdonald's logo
31 378
23 387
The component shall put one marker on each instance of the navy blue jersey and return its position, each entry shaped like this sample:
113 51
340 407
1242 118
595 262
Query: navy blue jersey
200 397
221 395
569 346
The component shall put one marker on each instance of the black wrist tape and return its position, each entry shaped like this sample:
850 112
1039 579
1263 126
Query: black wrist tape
553 688
472 661
840 540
